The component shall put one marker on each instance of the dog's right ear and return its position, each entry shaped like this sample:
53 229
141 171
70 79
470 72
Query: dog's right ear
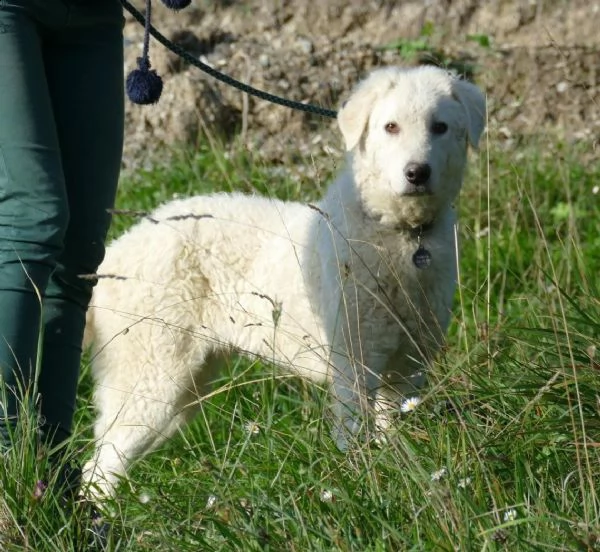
354 114
473 100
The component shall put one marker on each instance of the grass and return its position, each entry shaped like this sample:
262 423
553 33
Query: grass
502 454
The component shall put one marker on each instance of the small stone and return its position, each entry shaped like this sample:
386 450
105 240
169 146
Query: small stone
305 45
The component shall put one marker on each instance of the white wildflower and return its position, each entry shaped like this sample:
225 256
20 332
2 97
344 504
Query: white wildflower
439 474
326 496
144 498
595 190
252 428
245 504
211 501
510 515
408 405
464 483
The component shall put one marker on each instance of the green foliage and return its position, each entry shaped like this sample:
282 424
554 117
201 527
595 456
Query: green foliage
502 454
425 49
482 39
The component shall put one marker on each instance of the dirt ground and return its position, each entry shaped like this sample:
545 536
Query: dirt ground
538 60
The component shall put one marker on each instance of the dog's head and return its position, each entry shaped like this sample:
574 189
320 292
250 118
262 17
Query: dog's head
408 131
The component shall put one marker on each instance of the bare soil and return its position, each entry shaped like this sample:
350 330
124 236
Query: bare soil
538 60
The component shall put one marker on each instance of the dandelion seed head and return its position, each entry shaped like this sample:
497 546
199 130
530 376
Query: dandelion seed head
144 498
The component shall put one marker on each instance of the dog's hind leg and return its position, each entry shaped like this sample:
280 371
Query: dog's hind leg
137 417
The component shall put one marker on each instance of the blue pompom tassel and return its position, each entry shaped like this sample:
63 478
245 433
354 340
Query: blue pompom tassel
177 4
144 86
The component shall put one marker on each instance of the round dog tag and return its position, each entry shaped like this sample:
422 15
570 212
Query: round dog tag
422 258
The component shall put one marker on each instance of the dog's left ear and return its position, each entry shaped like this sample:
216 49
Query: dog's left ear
473 100
353 116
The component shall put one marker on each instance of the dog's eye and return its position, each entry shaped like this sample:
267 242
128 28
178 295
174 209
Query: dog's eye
392 128
439 128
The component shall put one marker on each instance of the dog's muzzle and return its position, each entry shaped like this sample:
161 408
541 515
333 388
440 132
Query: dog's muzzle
417 176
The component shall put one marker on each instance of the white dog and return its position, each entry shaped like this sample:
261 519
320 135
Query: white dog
355 291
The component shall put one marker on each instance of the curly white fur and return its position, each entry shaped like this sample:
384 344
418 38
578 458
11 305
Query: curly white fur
326 291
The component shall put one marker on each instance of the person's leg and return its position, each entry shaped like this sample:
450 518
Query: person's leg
84 65
33 205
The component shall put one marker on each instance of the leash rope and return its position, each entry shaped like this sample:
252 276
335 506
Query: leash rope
226 79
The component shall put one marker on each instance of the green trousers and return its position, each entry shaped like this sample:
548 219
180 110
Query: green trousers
61 137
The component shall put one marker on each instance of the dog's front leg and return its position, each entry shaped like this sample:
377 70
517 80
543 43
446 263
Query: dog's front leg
349 403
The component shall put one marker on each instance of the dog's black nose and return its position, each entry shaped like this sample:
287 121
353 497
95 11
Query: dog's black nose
417 173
